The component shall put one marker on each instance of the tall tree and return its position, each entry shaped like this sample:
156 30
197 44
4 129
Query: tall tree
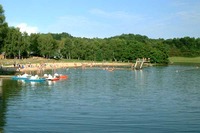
34 44
13 43
3 27
67 48
25 46
46 45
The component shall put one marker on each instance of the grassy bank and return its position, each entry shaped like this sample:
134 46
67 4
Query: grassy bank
184 60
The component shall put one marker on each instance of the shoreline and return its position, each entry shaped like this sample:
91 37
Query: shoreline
57 65
65 65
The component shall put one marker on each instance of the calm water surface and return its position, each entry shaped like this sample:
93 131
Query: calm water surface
155 99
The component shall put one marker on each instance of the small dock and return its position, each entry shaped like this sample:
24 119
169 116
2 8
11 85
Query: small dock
140 62
4 71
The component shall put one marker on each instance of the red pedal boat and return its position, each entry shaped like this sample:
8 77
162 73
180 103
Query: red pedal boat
62 76
52 78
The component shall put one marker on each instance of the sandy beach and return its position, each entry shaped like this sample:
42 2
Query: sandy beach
57 65
39 63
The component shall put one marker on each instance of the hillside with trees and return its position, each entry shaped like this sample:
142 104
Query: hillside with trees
124 48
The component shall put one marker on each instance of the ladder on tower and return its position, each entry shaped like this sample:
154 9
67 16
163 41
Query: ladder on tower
140 62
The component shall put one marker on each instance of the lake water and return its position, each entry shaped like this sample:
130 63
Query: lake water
154 100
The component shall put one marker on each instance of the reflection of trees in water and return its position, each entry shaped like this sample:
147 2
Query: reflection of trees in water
1 107
2 113
7 88
1 83
2 110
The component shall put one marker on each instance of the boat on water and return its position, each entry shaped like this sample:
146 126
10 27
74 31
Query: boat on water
55 77
62 76
52 78
35 78
21 77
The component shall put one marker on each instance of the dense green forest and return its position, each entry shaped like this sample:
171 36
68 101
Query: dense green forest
125 47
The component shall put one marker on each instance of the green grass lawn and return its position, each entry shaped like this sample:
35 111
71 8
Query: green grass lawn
187 60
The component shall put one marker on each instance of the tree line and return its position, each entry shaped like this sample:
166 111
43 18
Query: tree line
125 47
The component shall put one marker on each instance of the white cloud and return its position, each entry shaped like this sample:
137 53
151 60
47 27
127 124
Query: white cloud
26 28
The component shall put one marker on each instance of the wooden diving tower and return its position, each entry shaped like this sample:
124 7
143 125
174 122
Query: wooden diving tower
140 62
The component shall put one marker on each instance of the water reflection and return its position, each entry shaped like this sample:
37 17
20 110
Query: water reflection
140 78
139 75
1 83
51 83
8 89
2 109
151 100
35 84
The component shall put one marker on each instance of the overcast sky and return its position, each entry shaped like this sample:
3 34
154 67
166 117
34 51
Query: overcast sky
106 18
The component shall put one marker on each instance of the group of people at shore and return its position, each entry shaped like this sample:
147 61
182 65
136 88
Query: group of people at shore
37 66
43 66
